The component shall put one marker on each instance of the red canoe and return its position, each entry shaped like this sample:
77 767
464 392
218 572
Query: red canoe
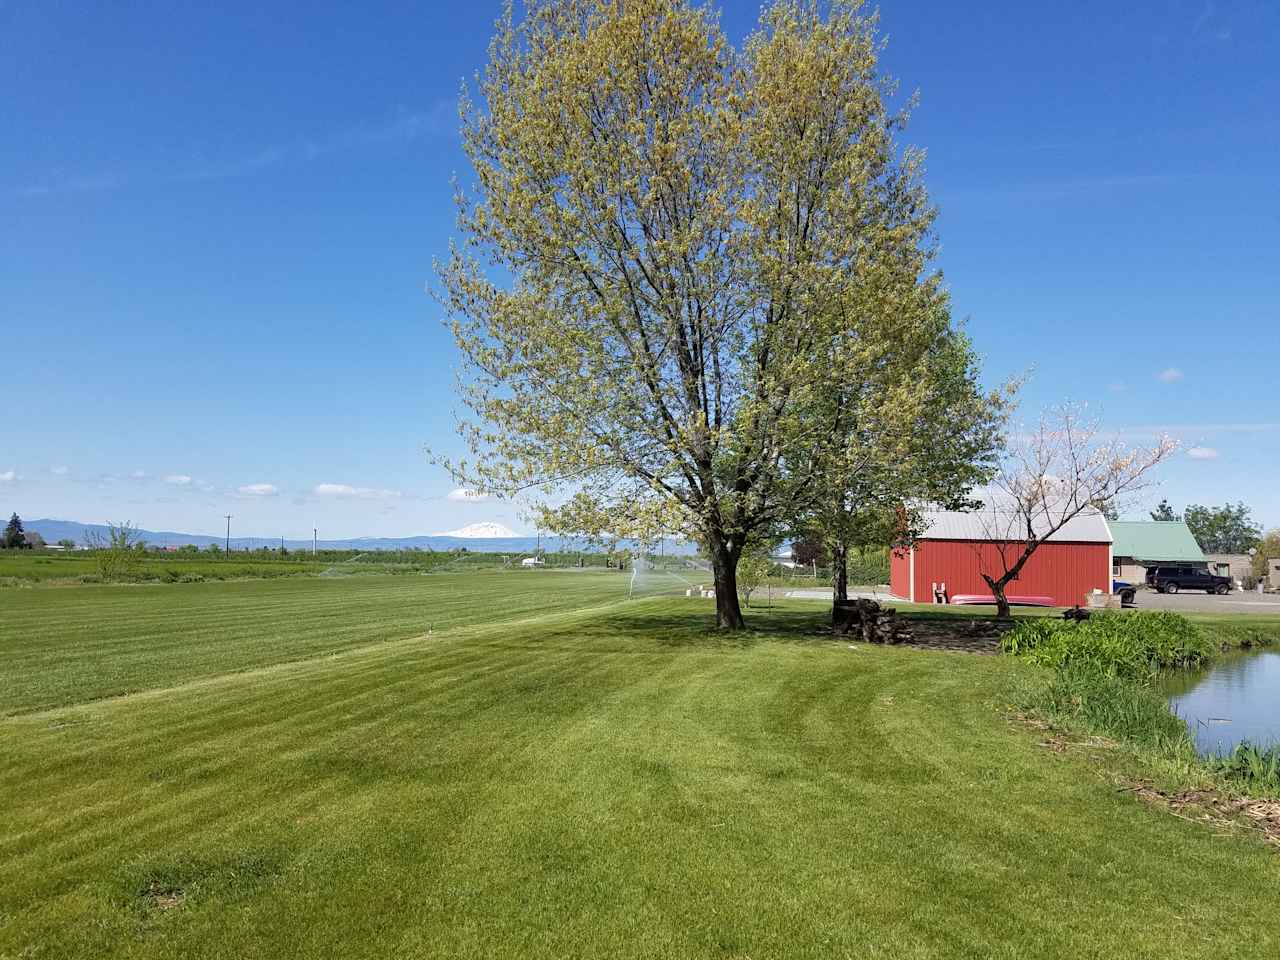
1017 601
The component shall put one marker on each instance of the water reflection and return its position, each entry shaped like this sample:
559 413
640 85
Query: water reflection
1237 699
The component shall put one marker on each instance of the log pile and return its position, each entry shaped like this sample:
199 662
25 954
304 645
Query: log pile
870 621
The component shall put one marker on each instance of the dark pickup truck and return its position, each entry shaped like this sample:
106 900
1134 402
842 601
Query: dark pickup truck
1173 579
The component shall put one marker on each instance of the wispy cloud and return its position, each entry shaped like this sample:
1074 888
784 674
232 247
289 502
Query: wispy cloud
9 476
1169 375
1198 431
464 495
1068 188
1211 25
1202 453
60 471
178 480
56 184
258 490
362 493
401 126
1221 427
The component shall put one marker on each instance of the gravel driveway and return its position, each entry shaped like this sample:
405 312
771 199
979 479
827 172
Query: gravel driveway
1234 602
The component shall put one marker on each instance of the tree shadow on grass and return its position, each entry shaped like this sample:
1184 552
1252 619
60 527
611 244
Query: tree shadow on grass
673 628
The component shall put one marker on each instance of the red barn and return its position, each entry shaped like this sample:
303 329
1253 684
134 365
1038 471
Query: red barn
957 548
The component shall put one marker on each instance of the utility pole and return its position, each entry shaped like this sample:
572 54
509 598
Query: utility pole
314 534
282 546
228 533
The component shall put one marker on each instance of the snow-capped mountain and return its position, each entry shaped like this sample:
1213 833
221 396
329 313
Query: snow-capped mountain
483 530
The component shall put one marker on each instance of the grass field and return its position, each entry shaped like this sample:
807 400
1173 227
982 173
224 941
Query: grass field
63 646
20 567
301 772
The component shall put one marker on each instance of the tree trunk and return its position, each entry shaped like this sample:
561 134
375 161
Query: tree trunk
724 569
1002 602
840 560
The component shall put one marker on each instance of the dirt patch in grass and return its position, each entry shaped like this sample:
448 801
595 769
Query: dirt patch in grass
163 896
983 646
978 635
1215 808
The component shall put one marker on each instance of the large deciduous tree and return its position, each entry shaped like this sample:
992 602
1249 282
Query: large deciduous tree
1050 475
676 253
915 430
1226 529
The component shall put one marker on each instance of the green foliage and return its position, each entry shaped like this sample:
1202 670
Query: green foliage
1102 681
721 282
1132 644
1268 549
1226 529
1081 692
1164 512
868 565
118 554
1233 631
753 570
1251 767
14 538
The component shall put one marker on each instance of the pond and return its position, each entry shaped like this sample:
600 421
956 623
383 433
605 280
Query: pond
1236 699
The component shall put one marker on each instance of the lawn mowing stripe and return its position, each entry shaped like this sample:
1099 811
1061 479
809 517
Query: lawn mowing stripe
236 625
614 784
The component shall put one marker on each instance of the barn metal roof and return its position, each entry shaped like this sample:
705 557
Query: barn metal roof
1156 540
1088 527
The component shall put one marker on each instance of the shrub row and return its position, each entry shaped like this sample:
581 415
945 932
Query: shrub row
1136 645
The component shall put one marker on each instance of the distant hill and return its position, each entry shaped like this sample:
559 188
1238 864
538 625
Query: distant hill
471 537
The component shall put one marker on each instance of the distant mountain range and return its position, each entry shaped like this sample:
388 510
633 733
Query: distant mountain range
481 537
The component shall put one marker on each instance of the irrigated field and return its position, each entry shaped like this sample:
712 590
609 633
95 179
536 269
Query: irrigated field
61 646
306 773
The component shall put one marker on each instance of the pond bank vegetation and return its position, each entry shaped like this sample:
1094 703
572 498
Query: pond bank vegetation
1100 687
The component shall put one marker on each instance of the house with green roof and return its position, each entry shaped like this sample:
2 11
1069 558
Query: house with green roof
1138 544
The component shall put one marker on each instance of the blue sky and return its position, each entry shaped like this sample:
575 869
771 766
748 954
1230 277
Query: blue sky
217 221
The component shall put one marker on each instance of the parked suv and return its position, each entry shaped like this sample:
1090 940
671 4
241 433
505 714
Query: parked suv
1173 579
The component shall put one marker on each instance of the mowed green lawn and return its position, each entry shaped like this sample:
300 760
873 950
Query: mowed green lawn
607 783
71 644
